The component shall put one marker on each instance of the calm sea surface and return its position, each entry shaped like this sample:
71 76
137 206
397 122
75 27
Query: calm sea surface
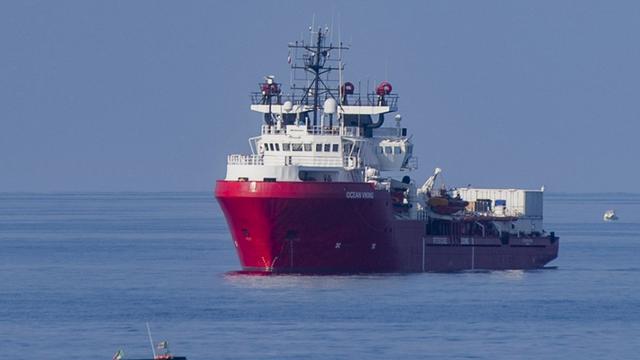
81 273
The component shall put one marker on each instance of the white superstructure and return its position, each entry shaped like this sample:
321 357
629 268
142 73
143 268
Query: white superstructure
300 152
321 132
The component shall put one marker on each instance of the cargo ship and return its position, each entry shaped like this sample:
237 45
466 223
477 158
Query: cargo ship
317 194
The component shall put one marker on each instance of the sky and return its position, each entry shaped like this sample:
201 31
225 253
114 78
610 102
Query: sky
153 95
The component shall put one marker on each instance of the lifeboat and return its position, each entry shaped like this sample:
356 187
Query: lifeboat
446 205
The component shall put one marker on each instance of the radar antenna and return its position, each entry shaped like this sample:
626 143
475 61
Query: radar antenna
314 61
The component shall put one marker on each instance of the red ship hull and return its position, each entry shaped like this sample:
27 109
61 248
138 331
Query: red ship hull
323 227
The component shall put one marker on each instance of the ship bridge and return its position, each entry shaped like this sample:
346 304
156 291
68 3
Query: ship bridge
299 152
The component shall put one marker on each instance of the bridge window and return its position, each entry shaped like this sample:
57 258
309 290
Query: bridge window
296 147
286 147
277 147
327 147
318 147
397 150
271 147
388 150
336 147
307 147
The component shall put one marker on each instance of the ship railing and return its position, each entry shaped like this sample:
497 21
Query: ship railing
238 159
389 132
323 130
257 98
510 212
322 161
357 99
352 131
411 163
315 130
390 100
272 130
336 130
507 213
347 162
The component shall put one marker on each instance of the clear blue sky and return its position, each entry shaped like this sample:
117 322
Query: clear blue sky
152 95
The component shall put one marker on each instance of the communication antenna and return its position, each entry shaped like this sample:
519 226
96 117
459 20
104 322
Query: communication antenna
313 26
153 349
386 68
340 83
316 61
331 31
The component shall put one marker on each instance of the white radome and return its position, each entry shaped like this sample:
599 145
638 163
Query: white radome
330 106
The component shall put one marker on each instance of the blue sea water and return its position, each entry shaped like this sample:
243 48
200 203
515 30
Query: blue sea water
81 274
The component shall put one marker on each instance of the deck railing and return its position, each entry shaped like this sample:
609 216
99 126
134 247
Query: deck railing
237 159
315 130
411 164
358 99
348 162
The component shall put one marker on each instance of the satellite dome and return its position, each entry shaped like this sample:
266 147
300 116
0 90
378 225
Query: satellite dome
287 106
330 106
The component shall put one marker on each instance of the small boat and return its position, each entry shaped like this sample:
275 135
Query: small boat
446 204
610 215
120 356
160 351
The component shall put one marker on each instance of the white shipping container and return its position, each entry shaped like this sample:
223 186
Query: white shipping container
533 203
523 203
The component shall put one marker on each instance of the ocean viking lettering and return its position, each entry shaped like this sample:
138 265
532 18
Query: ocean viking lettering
359 195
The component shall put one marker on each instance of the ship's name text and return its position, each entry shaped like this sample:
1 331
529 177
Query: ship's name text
359 195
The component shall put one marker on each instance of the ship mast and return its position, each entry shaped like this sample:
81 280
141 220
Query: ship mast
315 62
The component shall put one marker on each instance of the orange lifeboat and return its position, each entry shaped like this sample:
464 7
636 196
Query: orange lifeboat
446 205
